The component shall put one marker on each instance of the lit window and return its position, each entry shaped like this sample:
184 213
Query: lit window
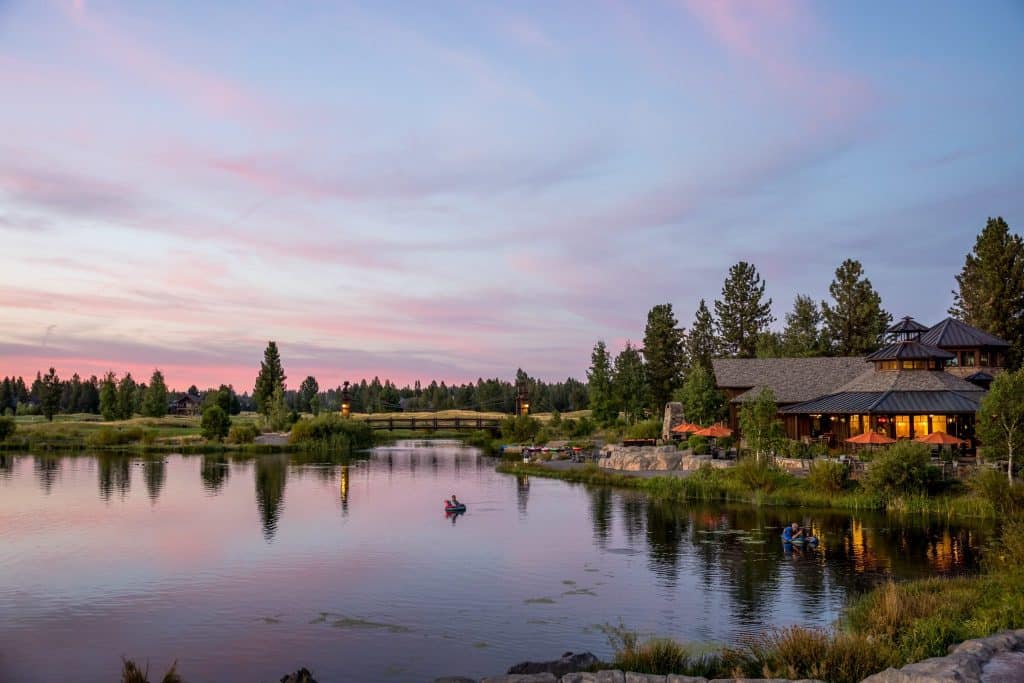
920 425
984 359
908 365
903 426
953 362
939 423
968 359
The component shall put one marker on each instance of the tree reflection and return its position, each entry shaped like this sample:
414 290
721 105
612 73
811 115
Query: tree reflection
154 472
47 467
214 472
6 465
665 528
271 476
601 514
633 513
113 472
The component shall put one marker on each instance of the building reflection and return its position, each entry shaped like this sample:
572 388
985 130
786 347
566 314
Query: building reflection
154 473
343 487
522 492
113 472
271 474
214 472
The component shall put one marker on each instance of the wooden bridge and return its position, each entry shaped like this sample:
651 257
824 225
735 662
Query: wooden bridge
458 424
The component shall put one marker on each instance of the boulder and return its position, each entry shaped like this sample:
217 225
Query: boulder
567 663
522 678
301 676
606 676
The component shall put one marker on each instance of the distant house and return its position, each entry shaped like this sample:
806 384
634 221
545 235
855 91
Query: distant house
926 380
187 404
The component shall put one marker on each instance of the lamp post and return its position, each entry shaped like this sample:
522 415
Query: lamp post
346 401
522 401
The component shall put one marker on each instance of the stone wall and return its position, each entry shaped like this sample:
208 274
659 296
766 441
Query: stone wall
998 658
652 458
673 416
612 676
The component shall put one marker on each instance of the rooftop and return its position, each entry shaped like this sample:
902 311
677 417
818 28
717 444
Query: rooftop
791 379
953 333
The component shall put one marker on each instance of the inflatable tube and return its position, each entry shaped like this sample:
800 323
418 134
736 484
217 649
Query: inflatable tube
802 540
455 508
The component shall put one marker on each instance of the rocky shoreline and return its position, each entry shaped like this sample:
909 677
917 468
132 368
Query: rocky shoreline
995 659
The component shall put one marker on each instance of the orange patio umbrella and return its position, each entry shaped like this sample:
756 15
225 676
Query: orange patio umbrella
686 428
714 431
872 438
940 439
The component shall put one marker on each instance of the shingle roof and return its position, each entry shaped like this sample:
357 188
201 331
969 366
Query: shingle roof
905 380
905 402
909 350
790 379
951 333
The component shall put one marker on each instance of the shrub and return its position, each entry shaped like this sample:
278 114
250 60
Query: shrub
757 475
520 428
245 432
115 436
7 427
131 673
993 486
645 429
330 427
901 468
829 475
798 652
215 423
698 444
583 427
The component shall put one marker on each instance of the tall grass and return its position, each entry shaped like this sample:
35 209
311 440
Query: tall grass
131 673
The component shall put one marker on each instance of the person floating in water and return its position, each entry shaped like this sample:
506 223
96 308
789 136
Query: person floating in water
455 501
791 533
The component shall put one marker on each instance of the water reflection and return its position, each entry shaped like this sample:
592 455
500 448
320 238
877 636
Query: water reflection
343 488
113 472
271 477
154 473
47 467
6 465
522 492
601 514
214 472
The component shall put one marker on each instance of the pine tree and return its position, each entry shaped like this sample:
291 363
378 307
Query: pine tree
741 313
108 397
49 394
307 391
154 404
663 355
702 401
630 383
126 397
855 324
702 341
599 386
802 336
271 377
990 293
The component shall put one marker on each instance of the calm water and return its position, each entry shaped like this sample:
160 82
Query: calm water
246 569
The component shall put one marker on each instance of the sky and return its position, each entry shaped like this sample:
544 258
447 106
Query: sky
453 190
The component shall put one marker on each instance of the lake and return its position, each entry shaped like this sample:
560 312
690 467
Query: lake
247 568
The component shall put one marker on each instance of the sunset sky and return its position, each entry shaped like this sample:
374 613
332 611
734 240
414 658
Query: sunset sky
456 189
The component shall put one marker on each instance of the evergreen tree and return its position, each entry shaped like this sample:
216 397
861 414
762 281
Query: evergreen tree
108 397
278 416
271 377
769 345
154 404
90 396
702 341
802 336
126 397
663 355
7 401
599 386
630 383
855 324
702 401
741 313
49 394
307 391
990 294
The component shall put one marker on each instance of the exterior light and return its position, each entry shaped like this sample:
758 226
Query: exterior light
346 401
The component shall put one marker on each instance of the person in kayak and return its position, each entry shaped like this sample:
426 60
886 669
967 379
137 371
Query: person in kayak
790 533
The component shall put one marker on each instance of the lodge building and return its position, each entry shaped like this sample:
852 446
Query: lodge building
925 380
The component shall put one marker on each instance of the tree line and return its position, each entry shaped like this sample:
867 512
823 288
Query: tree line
675 363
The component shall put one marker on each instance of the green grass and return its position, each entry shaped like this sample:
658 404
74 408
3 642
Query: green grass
734 485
